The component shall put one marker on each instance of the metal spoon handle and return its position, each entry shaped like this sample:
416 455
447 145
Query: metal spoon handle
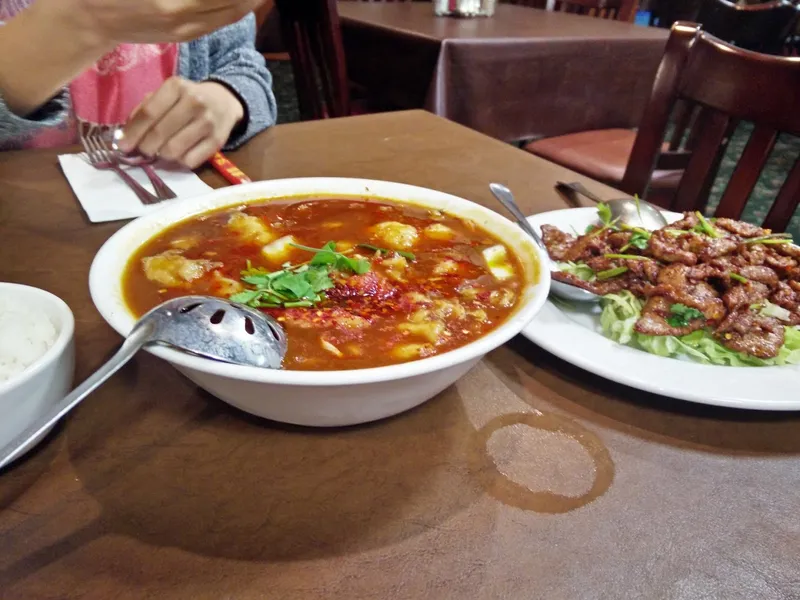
503 194
138 338
579 188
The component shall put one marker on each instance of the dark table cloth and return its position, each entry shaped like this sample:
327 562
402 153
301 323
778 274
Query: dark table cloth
521 74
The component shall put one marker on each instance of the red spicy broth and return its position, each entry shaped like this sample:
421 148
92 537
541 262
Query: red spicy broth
427 282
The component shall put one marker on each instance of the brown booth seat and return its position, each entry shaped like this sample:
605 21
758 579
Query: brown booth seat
603 154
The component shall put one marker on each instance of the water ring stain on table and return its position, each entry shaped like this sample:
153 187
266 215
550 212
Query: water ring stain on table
499 483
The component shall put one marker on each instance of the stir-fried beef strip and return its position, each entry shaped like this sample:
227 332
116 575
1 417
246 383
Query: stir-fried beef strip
761 274
587 245
646 270
720 267
654 319
746 331
788 250
740 228
617 240
745 295
689 221
671 249
557 242
787 296
708 248
781 264
753 254
674 284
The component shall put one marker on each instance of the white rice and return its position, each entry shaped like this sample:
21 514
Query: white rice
25 335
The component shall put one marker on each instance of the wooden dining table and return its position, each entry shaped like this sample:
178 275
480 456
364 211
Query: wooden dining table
527 479
520 74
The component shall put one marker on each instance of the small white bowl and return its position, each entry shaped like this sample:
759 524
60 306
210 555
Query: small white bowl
26 396
321 398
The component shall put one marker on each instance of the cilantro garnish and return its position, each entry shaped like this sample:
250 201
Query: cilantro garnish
300 285
604 212
639 239
681 315
327 255
408 255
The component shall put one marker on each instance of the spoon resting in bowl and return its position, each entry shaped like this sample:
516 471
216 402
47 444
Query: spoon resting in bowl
560 289
213 328
633 212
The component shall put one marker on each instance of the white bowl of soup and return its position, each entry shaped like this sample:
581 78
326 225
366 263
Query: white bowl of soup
388 293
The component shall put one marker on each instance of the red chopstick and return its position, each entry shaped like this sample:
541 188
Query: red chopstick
228 170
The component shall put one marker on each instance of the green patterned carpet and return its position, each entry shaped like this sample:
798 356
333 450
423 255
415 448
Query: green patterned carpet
783 156
283 88
785 153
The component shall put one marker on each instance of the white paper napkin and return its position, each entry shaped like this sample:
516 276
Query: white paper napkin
105 196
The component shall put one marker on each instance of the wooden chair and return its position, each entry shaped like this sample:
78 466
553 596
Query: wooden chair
269 40
313 38
604 9
715 86
531 3
758 27
622 10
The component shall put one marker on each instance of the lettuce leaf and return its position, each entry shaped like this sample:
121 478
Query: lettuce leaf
580 270
622 310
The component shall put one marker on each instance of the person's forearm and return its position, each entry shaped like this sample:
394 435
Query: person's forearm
42 50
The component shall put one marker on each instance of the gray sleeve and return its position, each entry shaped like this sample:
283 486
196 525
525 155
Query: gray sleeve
234 62
14 128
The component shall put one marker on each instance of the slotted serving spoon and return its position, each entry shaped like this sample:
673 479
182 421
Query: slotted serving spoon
200 325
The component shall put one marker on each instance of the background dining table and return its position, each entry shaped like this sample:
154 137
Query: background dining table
527 479
521 74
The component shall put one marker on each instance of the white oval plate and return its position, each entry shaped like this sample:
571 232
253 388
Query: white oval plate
574 336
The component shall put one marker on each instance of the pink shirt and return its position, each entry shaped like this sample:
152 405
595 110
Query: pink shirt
106 93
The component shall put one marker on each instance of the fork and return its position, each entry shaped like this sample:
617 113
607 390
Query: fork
115 134
100 158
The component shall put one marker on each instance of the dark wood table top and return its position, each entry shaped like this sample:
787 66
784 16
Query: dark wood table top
528 479
509 21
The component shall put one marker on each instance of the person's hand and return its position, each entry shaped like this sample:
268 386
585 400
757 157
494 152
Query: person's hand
154 21
183 121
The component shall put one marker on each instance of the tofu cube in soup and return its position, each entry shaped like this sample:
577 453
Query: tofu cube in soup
225 286
439 231
250 228
279 250
447 267
406 352
395 235
373 283
433 331
497 260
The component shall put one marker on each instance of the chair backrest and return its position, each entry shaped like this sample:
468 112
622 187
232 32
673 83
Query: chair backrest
605 9
713 86
268 29
759 27
313 38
